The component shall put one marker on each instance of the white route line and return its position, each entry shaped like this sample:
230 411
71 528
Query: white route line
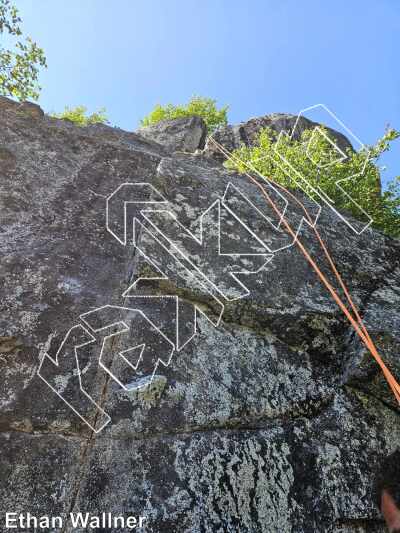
200 242
163 276
56 363
123 241
251 168
293 172
157 199
125 329
361 146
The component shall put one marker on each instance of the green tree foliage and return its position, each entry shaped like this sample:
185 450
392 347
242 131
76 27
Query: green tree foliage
78 116
19 67
320 167
206 108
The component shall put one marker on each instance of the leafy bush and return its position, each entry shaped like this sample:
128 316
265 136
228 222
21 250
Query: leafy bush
206 108
19 68
79 117
364 188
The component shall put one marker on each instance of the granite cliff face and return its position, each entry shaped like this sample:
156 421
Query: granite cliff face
272 421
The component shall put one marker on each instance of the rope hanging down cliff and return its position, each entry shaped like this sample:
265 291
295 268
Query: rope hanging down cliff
355 320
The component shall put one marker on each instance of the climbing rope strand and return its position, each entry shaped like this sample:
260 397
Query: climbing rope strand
357 323
364 335
326 252
328 256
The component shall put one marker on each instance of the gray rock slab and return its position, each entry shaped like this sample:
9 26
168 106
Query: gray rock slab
271 416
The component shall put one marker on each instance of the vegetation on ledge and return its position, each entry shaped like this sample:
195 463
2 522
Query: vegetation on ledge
357 175
78 115
206 108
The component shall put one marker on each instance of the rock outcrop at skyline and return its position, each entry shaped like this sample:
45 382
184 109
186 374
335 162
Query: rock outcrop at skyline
272 421
232 136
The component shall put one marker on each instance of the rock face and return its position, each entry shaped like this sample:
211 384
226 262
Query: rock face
185 134
231 137
270 417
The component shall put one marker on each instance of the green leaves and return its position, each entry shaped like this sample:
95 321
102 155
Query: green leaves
19 68
78 116
197 105
9 19
321 168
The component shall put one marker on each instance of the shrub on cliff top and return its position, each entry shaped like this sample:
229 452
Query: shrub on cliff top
206 108
364 188
78 116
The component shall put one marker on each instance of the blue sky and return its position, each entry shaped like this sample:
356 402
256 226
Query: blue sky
258 56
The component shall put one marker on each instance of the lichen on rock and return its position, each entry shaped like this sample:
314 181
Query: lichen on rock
274 421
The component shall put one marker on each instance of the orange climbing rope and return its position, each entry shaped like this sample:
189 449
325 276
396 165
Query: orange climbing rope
355 320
